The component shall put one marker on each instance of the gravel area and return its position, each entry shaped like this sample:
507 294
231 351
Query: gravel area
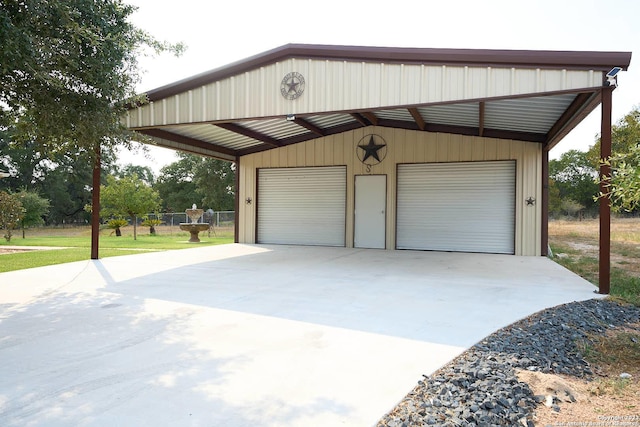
480 387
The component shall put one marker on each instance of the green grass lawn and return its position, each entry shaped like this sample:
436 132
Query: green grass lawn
145 241
623 284
78 247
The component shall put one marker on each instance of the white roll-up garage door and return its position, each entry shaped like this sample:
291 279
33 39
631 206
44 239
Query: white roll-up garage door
464 207
302 206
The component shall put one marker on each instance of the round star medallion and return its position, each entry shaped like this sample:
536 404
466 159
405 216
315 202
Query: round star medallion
371 149
292 86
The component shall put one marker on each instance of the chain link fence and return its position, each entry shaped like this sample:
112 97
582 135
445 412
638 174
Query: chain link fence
219 221
213 218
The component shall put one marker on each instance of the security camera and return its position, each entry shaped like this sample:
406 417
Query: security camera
612 76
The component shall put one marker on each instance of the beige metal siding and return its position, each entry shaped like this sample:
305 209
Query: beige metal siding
404 146
343 85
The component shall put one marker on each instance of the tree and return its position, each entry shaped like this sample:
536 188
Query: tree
11 212
176 186
215 182
625 135
68 69
63 181
23 162
571 207
143 172
67 188
555 202
623 188
35 207
195 179
152 223
574 176
128 196
116 223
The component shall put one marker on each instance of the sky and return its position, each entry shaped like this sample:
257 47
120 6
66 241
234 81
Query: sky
217 33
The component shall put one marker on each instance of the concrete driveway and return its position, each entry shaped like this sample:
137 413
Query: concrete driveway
242 335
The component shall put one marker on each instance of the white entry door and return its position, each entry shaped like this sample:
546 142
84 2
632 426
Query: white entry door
370 211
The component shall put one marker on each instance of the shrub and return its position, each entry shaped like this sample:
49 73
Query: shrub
116 223
151 223
11 213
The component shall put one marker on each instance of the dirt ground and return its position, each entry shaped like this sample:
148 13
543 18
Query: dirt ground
608 399
9 251
589 409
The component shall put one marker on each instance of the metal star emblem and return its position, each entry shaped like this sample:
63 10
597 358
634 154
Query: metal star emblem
292 85
371 150
530 201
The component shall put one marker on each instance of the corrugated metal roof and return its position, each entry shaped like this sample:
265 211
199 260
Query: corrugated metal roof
527 115
275 128
330 120
531 115
455 114
214 135
399 114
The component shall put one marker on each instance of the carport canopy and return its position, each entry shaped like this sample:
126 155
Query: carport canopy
229 112
298 92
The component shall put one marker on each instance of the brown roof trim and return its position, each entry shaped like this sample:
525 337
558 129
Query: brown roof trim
474 57
587 107
576 106
465 130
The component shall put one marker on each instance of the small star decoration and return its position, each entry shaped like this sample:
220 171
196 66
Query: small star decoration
530 201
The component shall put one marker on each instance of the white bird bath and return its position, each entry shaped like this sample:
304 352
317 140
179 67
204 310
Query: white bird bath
194 227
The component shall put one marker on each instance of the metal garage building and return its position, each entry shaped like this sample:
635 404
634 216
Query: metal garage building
395 148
